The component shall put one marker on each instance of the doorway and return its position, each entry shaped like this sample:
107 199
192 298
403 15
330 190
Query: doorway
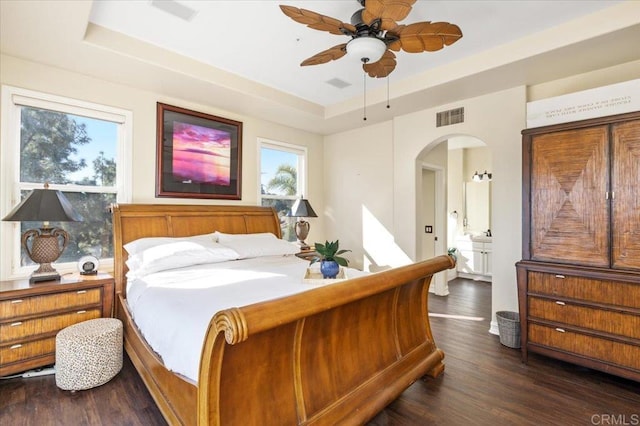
432 230
444 168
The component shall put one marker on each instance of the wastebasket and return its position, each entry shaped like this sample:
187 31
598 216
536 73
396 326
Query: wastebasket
509 328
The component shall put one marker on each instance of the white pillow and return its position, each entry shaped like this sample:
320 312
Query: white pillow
142 244
223 238
177 253
257 245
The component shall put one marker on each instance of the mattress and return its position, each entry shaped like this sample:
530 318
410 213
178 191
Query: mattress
173 308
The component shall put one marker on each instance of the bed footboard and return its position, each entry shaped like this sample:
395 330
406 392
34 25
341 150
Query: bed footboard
336 354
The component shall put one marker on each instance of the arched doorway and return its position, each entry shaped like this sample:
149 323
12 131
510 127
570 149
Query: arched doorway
449 205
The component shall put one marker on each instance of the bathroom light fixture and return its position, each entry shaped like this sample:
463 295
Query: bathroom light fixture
480 177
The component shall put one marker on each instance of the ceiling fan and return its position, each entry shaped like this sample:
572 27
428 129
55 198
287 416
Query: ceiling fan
375 33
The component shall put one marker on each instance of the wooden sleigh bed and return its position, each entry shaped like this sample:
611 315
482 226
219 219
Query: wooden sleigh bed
336 354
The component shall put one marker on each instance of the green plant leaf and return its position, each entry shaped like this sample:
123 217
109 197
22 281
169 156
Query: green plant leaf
341 261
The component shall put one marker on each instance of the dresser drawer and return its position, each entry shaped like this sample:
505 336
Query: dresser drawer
20 352
34 327
623 324
618 353
600 291
50 302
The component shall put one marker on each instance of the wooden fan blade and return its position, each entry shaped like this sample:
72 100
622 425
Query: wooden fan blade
392 38
383 67
389 11
428 36
317 21
336 52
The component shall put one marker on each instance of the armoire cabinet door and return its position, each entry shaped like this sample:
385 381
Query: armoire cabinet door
569 206
626 200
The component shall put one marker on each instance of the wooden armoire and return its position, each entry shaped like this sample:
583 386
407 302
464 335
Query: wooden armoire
579 279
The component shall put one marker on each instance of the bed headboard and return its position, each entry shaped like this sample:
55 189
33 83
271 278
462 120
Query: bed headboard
133 221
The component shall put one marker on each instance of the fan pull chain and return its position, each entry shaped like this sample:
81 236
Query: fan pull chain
388 92
364 95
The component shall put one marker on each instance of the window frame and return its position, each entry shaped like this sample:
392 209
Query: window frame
302 178
302 153
13 99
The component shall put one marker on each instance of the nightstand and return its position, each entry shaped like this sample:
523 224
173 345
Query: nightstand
32 314
307 254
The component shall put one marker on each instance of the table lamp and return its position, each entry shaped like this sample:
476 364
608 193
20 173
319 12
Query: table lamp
301 209
44 205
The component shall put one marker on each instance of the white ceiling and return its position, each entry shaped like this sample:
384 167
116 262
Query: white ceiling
255 40
243 57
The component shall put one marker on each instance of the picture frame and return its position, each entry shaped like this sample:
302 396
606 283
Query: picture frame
198 155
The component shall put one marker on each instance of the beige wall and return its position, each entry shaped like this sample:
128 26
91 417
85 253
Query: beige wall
497 119
358 192
476 160
34 76
397 175
363 181
392 151
455 179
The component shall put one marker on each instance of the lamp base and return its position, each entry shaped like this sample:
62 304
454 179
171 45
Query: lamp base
304 246
37 277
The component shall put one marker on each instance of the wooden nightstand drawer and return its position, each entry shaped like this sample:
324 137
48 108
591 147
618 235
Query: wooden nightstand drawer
47 303
31 314
19 352
34 327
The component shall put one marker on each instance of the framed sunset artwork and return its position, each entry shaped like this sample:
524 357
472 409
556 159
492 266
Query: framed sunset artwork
198 155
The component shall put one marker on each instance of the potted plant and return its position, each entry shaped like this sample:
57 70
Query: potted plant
452 252
330 259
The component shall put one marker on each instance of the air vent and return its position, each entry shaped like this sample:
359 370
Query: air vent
340 84
174 8
447 118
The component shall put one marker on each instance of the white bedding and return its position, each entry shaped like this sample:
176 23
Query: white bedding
173 308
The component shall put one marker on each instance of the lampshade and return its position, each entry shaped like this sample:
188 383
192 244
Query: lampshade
366 49
302 208
44 205
476 177
46 244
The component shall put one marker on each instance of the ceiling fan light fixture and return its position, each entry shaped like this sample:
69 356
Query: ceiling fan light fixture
366 49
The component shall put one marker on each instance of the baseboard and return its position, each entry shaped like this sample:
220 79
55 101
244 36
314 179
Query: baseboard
474 277
493 329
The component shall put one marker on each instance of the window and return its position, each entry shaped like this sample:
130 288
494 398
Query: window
75 147
282 180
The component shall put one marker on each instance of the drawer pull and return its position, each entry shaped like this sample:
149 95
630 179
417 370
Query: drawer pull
17 301
15 324
558 302
561 330
82 291
81 312
560 276
16 346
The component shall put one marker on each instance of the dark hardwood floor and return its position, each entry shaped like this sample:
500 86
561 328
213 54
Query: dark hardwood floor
484 384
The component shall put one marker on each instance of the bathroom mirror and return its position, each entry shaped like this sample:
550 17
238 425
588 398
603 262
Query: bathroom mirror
477 207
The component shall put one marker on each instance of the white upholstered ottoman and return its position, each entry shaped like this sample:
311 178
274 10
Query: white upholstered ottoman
88 354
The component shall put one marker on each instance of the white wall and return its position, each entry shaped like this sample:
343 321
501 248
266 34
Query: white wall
392 150
455 199
358 183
